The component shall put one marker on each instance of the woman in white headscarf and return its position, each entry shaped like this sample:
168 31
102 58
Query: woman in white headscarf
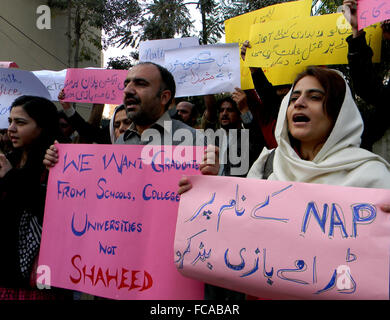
318 131
119 122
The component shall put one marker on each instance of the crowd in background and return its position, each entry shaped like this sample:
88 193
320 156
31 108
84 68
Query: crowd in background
310 131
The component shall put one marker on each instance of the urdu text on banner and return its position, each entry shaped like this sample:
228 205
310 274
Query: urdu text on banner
202 70
101 86
372 11
317 40
15 83
237 29
154 50
285 240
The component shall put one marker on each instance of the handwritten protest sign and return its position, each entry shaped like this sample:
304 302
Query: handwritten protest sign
276 239
94 85
15 83
53 80
318 40
237 29
205 69
110 218
154 50
372 11
8 64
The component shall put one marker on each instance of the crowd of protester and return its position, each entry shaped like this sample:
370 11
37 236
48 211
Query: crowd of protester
311 131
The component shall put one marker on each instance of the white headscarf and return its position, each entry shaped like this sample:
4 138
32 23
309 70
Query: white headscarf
340 160
111 126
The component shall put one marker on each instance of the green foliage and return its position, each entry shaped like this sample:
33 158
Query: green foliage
233 8
164 19
126 22
119 63
84 15
120 18
329 6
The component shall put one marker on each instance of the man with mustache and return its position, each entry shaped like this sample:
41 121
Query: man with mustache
232 114
187 112
229 115
149 90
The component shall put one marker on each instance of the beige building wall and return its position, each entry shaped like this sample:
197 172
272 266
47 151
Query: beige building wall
19 31
16 45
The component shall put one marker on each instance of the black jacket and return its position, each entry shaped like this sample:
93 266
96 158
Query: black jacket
370 87
20 190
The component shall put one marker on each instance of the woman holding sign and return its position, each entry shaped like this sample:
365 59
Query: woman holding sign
318 132
33 127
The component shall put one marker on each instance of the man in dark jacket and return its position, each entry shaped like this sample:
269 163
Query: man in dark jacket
366 82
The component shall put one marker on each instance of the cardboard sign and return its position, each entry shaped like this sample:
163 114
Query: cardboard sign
54 81
285 240
15 83
372 11
154 50
94 86
237 29
205 69
317 40
110 218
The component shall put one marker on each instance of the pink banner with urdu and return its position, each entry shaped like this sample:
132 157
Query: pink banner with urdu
372 11
110 220
285 240
94 85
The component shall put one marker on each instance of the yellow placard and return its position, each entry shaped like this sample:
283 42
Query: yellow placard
237 29
290 44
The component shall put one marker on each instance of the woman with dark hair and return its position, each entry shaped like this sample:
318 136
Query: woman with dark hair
318 131
33 127
119 123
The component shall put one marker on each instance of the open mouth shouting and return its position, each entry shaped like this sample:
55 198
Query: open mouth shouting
300 119
131 103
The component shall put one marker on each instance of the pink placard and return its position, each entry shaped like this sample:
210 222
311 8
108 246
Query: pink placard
8 64
94 85
110 219
285 240
372 11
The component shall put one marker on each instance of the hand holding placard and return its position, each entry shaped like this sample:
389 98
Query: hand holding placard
94 85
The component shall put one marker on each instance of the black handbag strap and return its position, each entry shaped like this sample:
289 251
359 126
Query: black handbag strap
269 165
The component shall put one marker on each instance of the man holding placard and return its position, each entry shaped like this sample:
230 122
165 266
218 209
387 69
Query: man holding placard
149 90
